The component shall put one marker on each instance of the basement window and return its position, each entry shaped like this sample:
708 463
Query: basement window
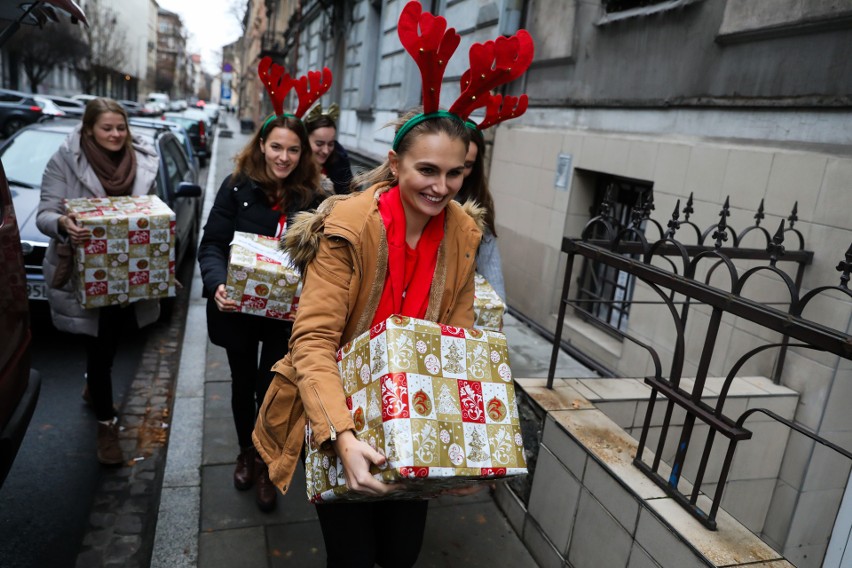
616 10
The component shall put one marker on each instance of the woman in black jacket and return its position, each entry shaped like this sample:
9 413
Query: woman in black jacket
275 177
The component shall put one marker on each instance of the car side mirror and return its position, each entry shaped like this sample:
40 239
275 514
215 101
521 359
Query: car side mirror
187 189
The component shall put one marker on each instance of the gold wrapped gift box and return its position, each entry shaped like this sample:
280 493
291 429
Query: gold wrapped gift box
488 307
437 401
131 253
260 278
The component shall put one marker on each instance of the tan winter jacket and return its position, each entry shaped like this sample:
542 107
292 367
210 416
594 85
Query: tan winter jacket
69 175
342 250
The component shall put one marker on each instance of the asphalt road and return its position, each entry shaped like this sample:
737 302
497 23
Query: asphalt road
45 501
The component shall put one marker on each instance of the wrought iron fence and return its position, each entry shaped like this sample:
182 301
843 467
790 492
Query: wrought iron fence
678 290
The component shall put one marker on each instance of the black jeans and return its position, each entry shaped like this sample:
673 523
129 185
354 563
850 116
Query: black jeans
100 354
250 379
361 535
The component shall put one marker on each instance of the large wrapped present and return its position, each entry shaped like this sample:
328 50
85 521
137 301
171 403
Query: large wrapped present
437 401
260 277
488 307
131 253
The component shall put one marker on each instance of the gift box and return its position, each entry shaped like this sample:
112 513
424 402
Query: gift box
488 307
437 401
261 279
131 253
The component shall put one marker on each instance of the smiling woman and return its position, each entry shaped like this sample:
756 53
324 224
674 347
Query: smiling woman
98 158
275 177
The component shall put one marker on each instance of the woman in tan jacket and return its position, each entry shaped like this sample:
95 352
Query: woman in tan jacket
402 246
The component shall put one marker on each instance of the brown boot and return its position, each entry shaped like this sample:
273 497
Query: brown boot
109 450
245 471
265 492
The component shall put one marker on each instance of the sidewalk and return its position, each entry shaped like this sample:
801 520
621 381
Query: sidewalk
205 522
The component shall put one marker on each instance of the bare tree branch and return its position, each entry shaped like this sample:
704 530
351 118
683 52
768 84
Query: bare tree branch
40 51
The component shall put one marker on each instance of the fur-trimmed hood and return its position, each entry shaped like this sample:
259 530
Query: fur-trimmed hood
302 239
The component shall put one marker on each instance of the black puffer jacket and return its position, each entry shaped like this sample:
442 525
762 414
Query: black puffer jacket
240 205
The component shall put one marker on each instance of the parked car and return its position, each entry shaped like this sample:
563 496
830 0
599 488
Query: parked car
26 155
132 107
71 107
17 110
177 129
19 384
151 109
199 114
160 99
197 130
83 98
212 110
48 107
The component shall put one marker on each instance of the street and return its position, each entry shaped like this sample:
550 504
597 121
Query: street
45 501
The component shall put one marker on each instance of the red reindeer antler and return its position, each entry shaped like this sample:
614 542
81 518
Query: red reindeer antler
277 82
500 108
431 50
311 87
492 64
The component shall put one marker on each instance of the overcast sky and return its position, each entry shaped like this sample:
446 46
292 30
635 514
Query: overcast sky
210 25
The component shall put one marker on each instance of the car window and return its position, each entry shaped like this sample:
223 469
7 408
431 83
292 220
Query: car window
176 166
27 154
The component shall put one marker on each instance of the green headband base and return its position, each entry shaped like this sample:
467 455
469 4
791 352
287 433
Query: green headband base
273 117
418 119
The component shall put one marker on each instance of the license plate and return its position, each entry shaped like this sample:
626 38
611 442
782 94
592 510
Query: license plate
36 290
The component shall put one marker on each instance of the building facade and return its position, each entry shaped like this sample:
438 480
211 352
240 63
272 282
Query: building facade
743 99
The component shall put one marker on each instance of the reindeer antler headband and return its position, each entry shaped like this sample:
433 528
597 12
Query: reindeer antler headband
492 64
309 88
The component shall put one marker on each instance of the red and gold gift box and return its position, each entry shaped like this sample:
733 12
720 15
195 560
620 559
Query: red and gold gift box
260 278
437 401
488 307
131 253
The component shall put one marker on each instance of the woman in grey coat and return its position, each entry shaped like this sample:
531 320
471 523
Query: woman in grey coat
99 158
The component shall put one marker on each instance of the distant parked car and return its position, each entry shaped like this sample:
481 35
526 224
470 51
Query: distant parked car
160 99
151 109
71 107
83 98
48 107
197 130
212 110
17 110
26 155
132 107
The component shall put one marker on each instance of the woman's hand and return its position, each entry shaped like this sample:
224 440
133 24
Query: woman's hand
224 303
77 234
357 457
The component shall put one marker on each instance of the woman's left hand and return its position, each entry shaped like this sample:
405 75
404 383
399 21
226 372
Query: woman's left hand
223 302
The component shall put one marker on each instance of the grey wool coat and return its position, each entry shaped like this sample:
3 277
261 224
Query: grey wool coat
69 175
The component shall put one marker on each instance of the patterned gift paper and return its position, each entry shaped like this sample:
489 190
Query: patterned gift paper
131 254
488 308
261 279
438 401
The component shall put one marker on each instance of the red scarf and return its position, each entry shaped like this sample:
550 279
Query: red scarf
410 271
